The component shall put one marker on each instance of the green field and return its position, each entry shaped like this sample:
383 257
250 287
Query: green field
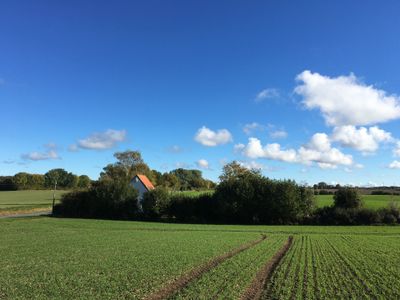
370 201
25 200
48 258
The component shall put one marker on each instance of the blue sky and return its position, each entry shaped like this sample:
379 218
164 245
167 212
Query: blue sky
308 91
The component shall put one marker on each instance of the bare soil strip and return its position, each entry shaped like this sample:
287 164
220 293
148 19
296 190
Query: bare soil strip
184 280
255 289
21 212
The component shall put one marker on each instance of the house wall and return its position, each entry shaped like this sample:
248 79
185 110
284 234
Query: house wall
139 186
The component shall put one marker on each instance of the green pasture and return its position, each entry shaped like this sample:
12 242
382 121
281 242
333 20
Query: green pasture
370 201
29 199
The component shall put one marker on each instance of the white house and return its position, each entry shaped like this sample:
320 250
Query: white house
142 184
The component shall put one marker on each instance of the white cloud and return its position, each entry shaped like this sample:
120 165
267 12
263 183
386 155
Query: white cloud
251 165
278 134
396 150
267 94
254 150
210 138
320 142
251 127
35 156
50 153
203 164
394 165
318 151
344 100
362 139
101 140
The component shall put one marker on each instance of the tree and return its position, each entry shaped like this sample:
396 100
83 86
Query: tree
129 163
21 180
59 176
84 182
347 197
170 181
36 181
234 170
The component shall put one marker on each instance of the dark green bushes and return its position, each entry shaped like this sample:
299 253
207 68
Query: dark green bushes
105 199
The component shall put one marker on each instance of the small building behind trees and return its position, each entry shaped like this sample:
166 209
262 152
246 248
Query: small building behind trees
142 184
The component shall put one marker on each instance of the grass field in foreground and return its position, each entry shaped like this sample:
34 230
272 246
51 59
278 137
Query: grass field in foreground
370 201
29 199
48 258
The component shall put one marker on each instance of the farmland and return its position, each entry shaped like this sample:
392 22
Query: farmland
47 258
370 201
12 201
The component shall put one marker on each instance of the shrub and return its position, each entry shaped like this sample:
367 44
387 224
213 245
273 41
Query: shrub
347 198
156 203
390 214
110 199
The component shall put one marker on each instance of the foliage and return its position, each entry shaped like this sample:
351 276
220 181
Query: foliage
247 197
347 197
155 203
7 183
84 182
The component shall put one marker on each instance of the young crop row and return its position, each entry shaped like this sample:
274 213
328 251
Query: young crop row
231 278
326 267
57 259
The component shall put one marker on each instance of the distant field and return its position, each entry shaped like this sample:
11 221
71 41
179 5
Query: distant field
370 201
192 193
25 200
49 258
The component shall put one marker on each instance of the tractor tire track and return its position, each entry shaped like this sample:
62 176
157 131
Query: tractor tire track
255 289
182 281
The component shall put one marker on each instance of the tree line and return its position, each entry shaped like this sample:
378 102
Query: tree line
26 181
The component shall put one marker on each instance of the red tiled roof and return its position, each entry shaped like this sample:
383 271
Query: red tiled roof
147 183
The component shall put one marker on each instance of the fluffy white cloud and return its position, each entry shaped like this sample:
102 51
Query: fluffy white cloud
203 164
267 94
320 142
362 139
254 150
344 100
394 165
35 156
251 165
101 140
318 151
50 153
210 138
